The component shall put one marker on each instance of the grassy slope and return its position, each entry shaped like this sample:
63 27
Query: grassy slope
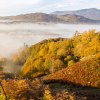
84 73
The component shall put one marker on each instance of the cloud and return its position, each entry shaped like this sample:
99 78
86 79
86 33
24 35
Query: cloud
15 3
14 7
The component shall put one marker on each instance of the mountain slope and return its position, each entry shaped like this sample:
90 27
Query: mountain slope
76 19
42 17
52 55
84 73
36 17
75 60
91 13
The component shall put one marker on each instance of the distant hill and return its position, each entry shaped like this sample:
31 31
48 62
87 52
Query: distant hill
91 13
42 17
76 19
37 17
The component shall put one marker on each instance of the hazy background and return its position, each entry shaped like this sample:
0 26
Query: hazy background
14 35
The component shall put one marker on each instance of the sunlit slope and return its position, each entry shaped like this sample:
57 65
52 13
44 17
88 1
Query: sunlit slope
84 73
52 55
49 56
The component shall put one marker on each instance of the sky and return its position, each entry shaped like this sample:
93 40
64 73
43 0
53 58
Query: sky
15 7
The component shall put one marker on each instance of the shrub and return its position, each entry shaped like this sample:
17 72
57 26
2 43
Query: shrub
47 94
57 65
71 62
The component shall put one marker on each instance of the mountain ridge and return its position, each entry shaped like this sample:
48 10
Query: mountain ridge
43 17
91 13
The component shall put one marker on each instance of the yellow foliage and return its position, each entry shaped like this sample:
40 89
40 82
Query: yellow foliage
51 55
47 95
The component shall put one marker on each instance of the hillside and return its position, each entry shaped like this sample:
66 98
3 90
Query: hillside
71 18
25 89
84 73
91 13
56 69
52 55
36 17
42 17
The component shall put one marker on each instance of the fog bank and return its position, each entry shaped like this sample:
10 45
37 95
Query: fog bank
13 36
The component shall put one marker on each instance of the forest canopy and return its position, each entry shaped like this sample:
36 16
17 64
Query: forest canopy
49 56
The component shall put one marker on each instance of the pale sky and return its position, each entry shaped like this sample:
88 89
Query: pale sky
15 7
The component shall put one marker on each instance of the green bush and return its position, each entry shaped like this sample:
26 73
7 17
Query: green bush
71 62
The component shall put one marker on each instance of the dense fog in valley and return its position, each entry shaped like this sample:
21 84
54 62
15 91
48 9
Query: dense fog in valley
14 35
